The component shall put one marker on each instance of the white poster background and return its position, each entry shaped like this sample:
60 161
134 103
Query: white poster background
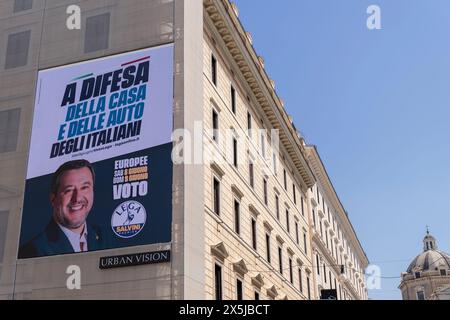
49 115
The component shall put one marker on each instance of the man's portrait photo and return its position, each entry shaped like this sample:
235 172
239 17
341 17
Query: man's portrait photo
71 197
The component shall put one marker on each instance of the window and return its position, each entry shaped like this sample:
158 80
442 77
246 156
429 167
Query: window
254 234
303 207
256 295
305 245
215 125
318 195
318 264
265 191
288 225
280 260
17 49
291 273
321 229
21 5
294 193
249 124
443 273
268 248
9 129
274 160
235 152
233 100
309 288
417 274
297 238
214 70
325 272
331 282
239 291
277 206
420 295
285 179
314 217
251 174
263 146
326 237
3 226
237 217
218 281
300 280
216 196
97 33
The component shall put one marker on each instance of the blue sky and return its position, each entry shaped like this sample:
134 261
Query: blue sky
377 105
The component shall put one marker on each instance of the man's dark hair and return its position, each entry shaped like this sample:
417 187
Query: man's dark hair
71 165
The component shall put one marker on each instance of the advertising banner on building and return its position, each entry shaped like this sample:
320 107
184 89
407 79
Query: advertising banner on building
99 172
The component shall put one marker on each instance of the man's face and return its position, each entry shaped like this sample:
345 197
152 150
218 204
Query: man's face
74 198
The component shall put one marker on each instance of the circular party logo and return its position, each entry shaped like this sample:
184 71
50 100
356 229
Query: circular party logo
128 219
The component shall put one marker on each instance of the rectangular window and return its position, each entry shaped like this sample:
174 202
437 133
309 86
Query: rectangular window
318 265
254 234
3 226
305 245
321 229
274 160
218 281
326 237
17 49
268 248
314 217
216 196
251 174
300 280
277 206
9 129
265 191
303 207
22 5
233 100
235 152
215 125
214 70
297 238
285 179
237 217
291 273
308 287
263 146
97 33
239 290
256 295
288 225
280 260
249 124
331 282
443 273
294 193
325 272
420 295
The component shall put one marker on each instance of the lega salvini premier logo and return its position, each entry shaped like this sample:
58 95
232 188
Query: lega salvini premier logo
128 219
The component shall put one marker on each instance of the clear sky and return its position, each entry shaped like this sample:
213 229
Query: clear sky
377 105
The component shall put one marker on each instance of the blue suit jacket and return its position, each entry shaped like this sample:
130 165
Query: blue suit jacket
53 241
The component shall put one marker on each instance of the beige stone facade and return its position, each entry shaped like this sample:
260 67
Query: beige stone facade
246 225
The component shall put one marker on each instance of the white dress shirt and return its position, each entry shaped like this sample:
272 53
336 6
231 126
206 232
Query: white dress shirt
76 239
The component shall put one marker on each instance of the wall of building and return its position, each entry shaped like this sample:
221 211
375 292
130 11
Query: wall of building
37 38
235 182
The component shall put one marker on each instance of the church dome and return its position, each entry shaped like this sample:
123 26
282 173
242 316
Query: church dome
431 258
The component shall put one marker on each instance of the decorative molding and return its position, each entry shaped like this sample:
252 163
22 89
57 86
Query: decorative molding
240 267
219 250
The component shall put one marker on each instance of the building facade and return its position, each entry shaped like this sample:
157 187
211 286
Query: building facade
242 213
428 275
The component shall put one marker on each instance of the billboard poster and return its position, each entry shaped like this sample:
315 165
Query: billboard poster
99 173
